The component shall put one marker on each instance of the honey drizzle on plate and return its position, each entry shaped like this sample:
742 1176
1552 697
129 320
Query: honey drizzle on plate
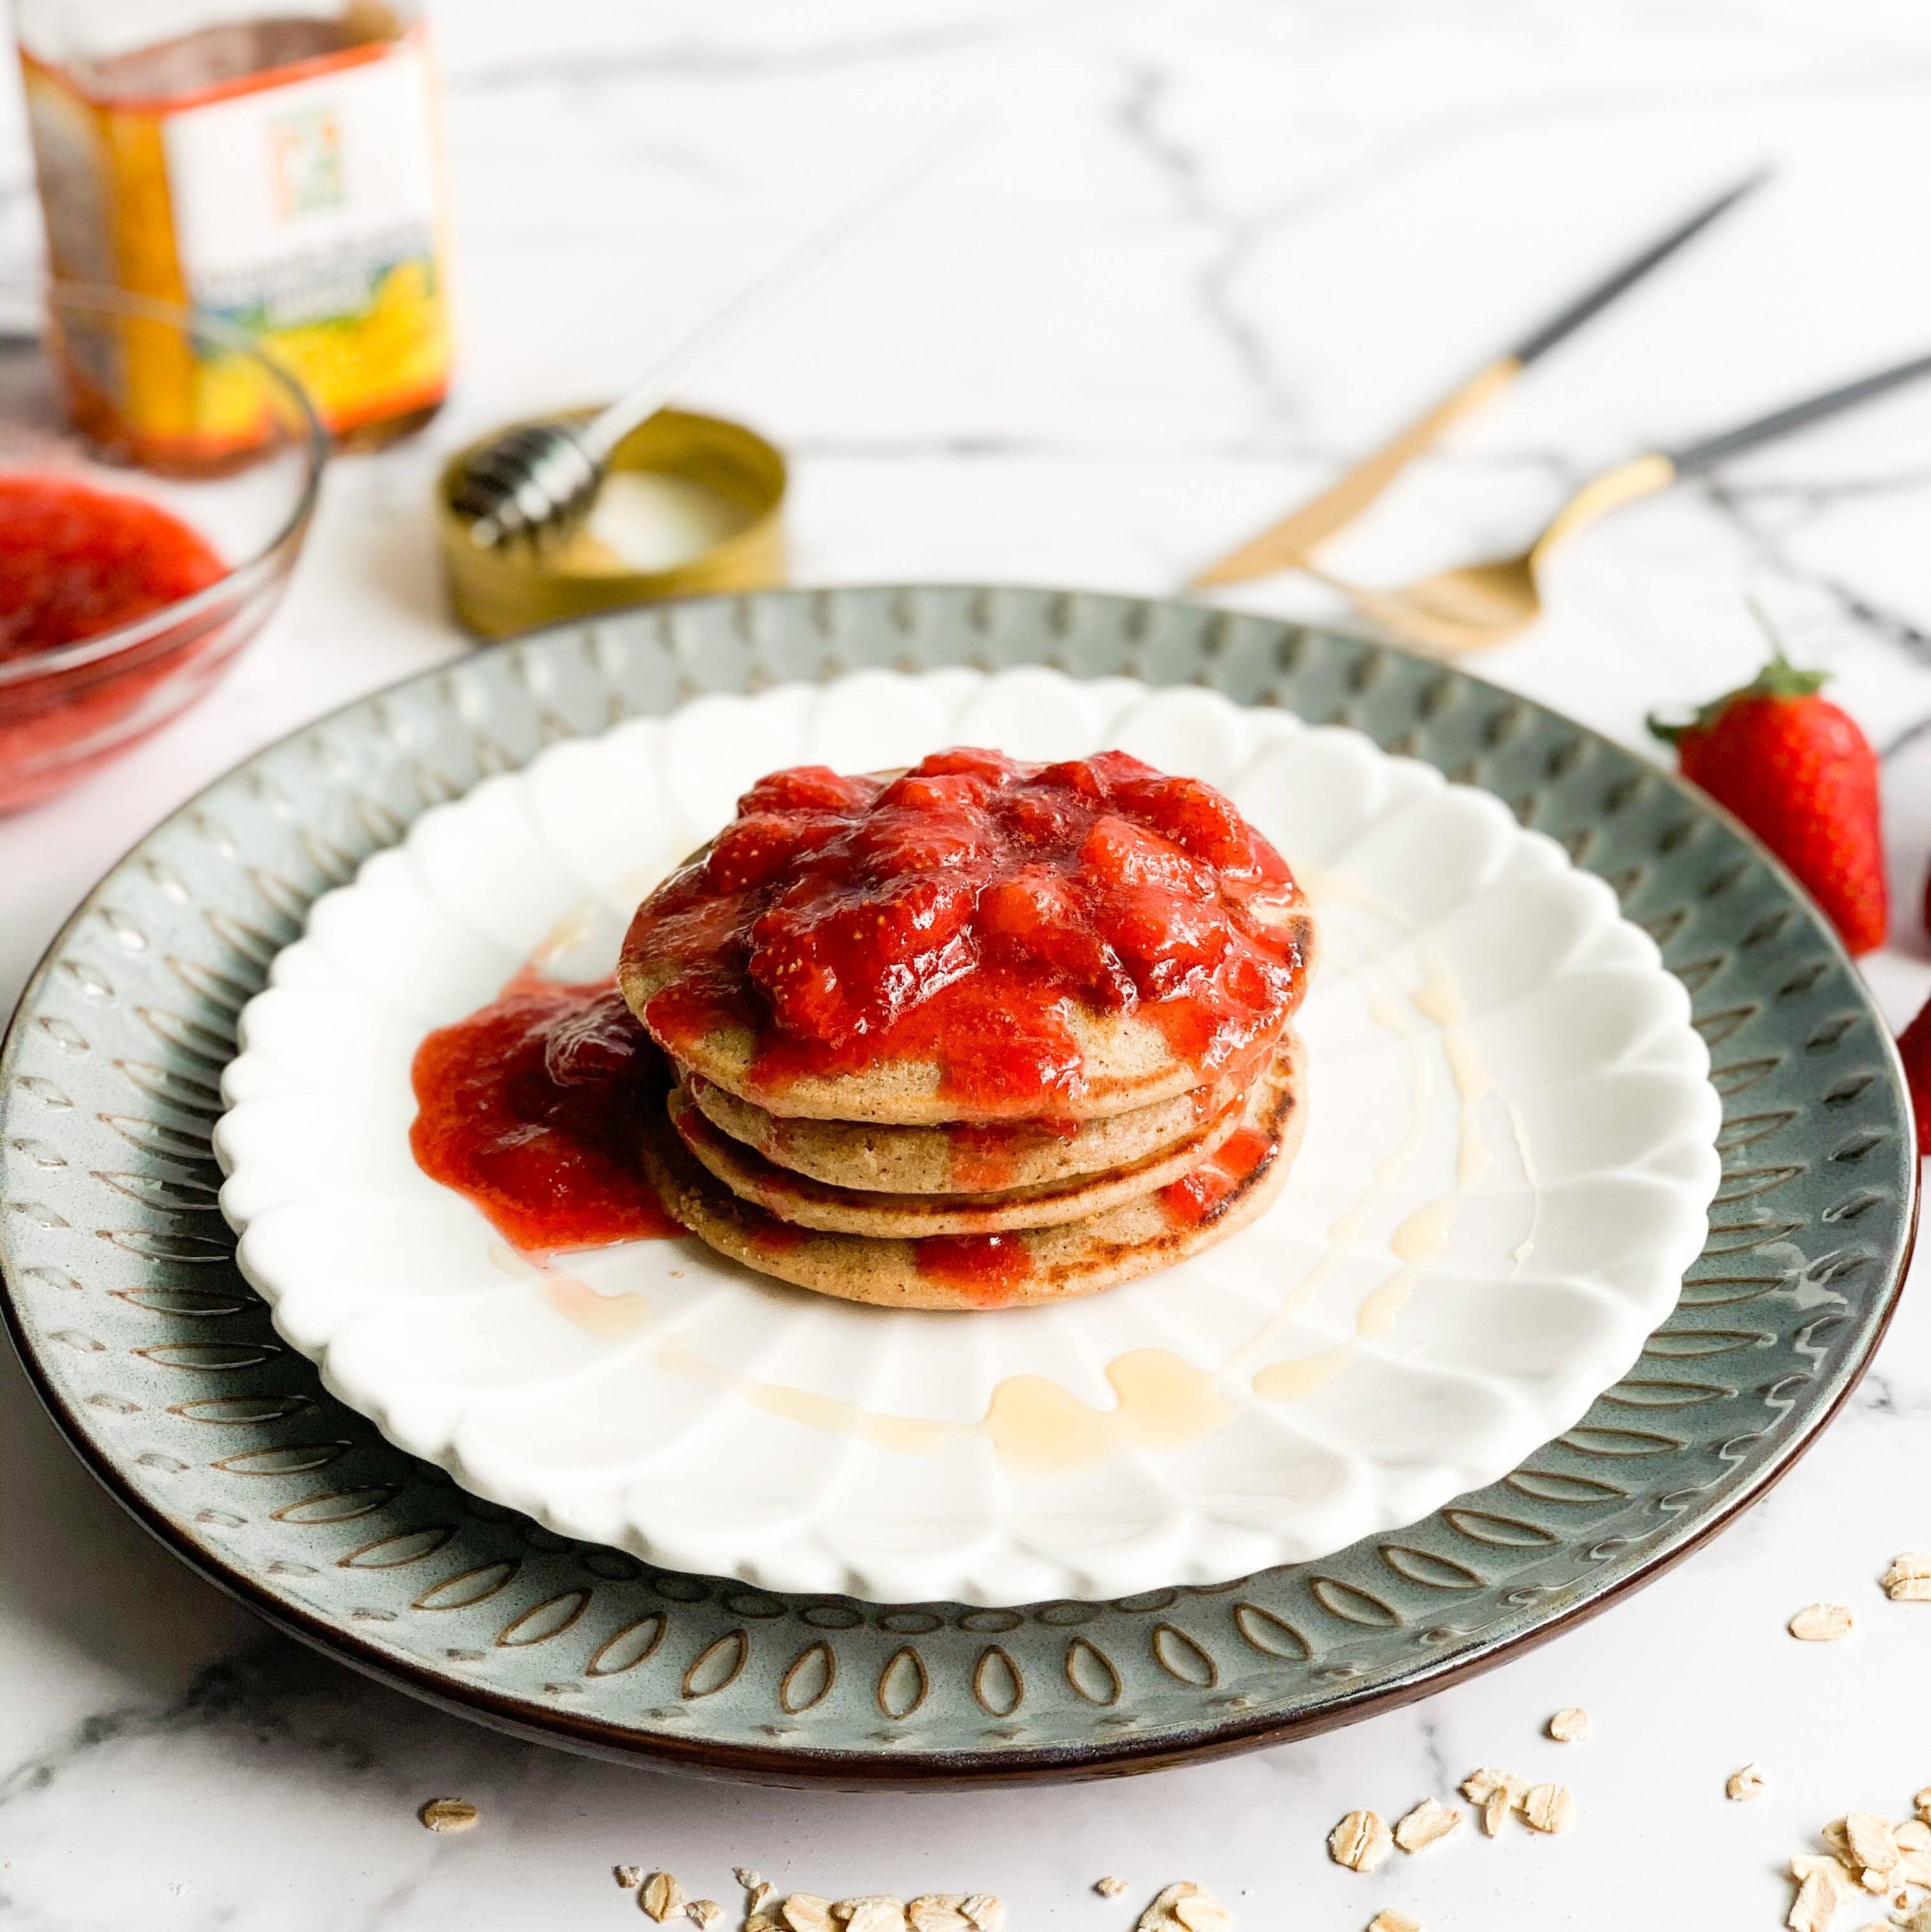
1421 1236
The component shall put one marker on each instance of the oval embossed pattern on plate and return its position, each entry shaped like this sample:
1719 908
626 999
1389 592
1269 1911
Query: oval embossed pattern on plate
122 1293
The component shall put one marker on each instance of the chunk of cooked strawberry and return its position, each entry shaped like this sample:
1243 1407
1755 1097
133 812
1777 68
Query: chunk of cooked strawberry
806 788
1122 855
916 791
968 760
913 915
1033 818
1039 915
833 972
1194 815
761 845
1163 938
896 844
1080 777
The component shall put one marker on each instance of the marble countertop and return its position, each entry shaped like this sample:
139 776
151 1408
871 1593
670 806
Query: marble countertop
1206 253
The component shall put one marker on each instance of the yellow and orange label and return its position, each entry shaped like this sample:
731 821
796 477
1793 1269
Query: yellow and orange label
303 204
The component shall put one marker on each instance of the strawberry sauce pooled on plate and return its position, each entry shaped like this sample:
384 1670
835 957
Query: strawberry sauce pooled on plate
962 915
530 1106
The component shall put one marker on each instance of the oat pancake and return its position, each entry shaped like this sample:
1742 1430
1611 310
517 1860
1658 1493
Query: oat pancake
964 1157
977 939
1128 1064
1045 1265
806 1203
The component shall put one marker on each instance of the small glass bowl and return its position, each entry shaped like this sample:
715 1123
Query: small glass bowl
66 709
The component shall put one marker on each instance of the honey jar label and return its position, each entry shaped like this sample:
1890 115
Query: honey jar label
303 205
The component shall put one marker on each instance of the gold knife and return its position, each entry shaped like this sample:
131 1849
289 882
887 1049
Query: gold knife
1284 545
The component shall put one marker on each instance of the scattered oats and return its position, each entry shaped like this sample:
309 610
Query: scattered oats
1429 1820
806 1912
1913 1835
1388 1919
1824 1889
1479 1787
1837 1835
1548 1807
1746 1784
1909 1566
1360 1842
1913 1867
984 1912
1910 1590
629 1877
703 1911
876 1914
1821 1623
751 1881
1162 1915
1200 1911
448 1814
757 1895
1805 1863
1498 1792
1109 1887
938 1911
1921 1804
661 1896
1920 1921
1159 1916
1570 1726
759 1921
1870 1842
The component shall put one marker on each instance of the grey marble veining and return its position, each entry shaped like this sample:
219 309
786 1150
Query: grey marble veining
1206 252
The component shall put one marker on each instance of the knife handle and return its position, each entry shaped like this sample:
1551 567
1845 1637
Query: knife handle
1715 449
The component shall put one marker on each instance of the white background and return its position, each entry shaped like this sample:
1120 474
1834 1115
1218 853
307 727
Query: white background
1207 250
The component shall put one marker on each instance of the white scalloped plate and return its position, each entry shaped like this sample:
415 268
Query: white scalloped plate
1509 1159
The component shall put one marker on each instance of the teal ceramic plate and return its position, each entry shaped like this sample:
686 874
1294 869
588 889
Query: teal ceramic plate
163 1369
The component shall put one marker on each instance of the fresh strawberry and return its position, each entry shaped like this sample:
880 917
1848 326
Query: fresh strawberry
1797 770
1913 1046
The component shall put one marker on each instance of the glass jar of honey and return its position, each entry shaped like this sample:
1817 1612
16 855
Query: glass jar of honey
273 162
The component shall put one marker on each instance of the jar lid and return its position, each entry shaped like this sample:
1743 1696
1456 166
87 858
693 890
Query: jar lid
691 504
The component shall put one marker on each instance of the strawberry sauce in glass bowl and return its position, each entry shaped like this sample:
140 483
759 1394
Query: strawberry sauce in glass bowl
135 562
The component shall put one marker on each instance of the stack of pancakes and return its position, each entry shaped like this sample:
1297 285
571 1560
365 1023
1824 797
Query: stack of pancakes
980 1034
862 1187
